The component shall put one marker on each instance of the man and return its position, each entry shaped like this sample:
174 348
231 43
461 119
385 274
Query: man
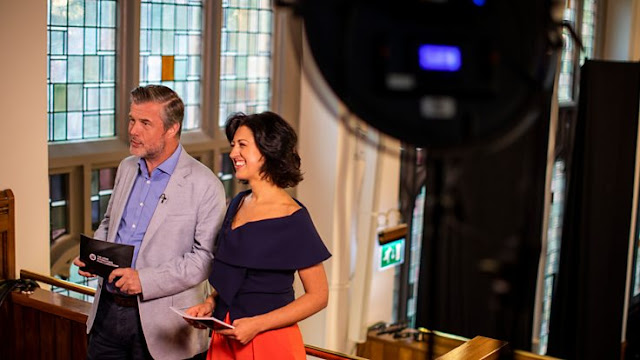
170 207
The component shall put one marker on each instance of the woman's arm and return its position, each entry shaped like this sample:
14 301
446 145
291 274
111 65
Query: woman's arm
314 299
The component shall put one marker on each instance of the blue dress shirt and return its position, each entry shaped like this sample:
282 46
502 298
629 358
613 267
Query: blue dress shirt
147 191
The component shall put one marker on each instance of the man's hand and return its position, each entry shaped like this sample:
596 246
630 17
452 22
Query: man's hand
128 282
80 264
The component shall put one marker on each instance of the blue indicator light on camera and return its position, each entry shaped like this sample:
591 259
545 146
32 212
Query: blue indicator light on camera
440 57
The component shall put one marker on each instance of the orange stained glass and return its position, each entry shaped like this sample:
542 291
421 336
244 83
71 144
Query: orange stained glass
167 68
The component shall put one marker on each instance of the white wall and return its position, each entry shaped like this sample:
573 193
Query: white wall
347 183
617 36
23 127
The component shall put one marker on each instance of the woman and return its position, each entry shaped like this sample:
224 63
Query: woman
266 236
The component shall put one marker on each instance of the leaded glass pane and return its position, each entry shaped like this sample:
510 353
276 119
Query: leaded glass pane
245 57
170 40
102 181
58 200
588 29
565 80
80 60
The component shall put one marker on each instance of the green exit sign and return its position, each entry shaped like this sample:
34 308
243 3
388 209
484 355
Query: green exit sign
392 254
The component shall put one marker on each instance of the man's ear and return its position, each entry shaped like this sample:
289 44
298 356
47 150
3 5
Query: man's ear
173 129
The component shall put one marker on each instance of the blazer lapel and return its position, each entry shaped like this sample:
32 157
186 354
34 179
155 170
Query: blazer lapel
172 191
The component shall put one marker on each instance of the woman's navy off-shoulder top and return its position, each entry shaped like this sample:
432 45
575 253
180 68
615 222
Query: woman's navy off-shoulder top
254 264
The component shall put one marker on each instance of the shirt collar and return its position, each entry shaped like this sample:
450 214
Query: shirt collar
167 166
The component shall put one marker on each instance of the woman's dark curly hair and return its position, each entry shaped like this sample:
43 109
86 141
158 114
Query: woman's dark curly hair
276 141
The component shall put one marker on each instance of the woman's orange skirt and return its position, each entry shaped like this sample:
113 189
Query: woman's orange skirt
281 344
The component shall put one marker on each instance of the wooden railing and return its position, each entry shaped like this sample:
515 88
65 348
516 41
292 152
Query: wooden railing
71 314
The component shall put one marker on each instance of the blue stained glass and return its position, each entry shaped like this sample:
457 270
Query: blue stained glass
60 126
90 13
168 17
107 13
232 44
92 98
194 66
108 68
181 17
180 87
75 69
231 20
265 21
76 12
156 42
57 42
107 39
74 125
59 12
90 41
107 124
74 97
167 42
193 92
180 68
241 67
263 90
91 69
195 18
50 101
76 41
82 27
182 41
242 44
144 15
107 95
91 126
156 16
144 42
58 72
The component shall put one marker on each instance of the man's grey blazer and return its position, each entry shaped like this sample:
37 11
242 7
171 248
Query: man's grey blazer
175 256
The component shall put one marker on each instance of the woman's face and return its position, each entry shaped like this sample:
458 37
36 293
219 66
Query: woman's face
247 159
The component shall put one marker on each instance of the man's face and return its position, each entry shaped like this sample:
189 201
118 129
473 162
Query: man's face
147 135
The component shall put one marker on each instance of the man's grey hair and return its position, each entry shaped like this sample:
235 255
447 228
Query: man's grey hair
173 109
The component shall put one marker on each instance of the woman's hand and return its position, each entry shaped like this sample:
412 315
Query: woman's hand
245 329
204 309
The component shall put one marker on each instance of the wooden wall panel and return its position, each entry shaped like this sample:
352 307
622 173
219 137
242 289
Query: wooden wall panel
47 335
63 343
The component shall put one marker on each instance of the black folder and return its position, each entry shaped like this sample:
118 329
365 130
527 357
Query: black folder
101 257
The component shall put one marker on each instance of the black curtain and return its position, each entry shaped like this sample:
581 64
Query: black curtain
588 301
481 242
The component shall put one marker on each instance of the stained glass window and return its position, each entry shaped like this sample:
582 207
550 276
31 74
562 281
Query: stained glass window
81 43
588 29
245 59
58 206
170 50
565 81
554 240
226 174
102 181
